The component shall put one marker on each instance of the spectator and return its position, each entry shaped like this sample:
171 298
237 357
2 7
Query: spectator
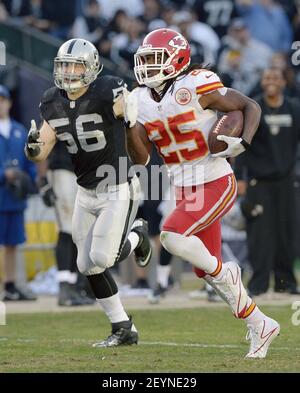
16 177
217 14
267 22
199 34
90 26
152 11
265 178
17 8
124 45
243 58
130 7
153 190
3 12
292 87
58 188
60 16
296 20
117 26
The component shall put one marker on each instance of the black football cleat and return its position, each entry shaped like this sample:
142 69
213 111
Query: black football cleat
16 294
122 334
143 251
157 294
70 297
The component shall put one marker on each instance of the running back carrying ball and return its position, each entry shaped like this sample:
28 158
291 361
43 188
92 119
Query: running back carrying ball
230 124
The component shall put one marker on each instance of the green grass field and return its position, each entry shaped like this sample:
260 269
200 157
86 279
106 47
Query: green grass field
195 340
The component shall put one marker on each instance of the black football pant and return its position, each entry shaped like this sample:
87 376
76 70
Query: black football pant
270 234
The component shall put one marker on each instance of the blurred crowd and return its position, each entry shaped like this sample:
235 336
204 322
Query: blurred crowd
237 37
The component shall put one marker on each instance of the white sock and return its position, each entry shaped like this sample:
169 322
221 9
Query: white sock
113 308
134 239
255 317
66 276
162 273
191 249
73 278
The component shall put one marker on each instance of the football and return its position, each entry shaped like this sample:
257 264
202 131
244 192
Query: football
229 124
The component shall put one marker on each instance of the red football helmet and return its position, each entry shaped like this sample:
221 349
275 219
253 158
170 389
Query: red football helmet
171 54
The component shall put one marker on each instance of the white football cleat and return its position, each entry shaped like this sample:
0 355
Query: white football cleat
261 337
230 288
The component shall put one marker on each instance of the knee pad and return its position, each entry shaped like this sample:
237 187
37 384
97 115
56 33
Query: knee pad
173 242
102 259
87 269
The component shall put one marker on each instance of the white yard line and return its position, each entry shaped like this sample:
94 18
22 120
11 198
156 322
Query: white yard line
196 345
149 343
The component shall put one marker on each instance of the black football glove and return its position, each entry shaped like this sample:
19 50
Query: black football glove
47 193
32 147
20 184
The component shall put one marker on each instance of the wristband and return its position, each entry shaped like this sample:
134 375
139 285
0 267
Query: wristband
245 143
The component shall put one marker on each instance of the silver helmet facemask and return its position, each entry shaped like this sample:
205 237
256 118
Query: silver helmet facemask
72 53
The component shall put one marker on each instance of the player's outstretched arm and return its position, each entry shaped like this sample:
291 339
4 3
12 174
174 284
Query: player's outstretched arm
233 100
137 144
39 142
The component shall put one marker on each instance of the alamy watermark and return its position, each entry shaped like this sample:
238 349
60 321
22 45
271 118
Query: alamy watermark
2 53
296 55
156 182
296 315
2 313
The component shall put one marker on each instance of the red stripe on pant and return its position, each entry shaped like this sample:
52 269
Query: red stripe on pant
211 196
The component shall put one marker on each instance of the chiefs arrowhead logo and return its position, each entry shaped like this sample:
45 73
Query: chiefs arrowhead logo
178 42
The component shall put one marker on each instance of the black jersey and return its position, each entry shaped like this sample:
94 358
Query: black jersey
93 136
273 151
218 14
59 158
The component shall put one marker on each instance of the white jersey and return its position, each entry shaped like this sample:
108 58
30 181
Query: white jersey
179 128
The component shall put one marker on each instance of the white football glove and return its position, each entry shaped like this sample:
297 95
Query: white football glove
32 147
234 148
33 136
130 107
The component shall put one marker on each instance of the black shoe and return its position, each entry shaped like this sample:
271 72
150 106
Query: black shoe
213 297
122 334
157 294
143 251
82 296
255 293
69 297
16 294
141 283
291 291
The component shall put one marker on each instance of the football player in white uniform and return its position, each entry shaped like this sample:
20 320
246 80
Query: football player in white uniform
80 111
174 108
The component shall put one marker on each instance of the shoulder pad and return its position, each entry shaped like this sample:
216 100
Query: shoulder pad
49 95
205 81
109 87
109 81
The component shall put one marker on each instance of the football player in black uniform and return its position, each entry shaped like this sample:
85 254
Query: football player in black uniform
58 188
82 111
